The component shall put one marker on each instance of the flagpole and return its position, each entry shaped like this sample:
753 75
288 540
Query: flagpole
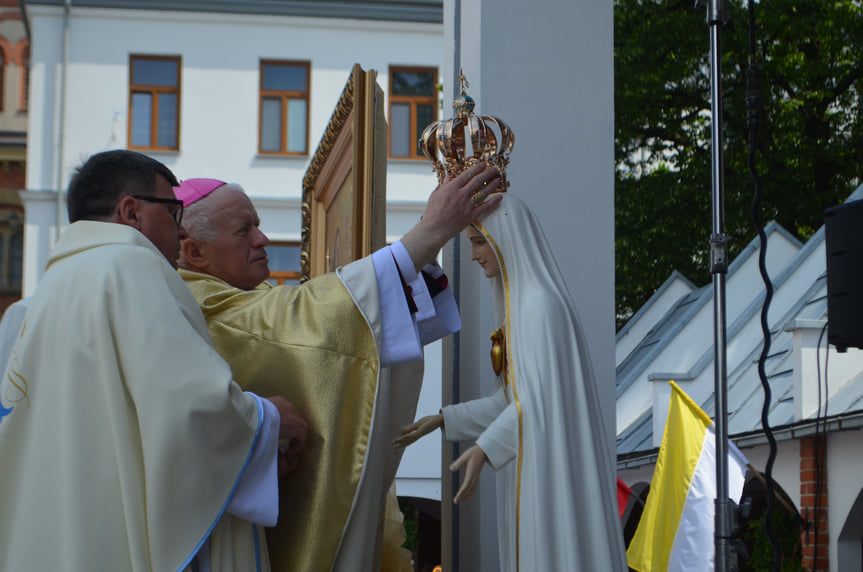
724 514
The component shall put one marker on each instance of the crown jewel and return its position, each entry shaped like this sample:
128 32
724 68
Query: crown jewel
460 142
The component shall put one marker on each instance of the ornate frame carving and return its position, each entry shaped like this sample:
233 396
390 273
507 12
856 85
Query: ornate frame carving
344 188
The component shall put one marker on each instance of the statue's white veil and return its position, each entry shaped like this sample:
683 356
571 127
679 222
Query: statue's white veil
567 508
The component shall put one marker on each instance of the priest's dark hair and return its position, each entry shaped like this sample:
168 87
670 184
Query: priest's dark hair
103 179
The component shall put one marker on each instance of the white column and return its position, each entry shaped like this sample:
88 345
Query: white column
546 68
810 362
40 234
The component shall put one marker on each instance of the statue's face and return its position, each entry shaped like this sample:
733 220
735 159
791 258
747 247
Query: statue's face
482 253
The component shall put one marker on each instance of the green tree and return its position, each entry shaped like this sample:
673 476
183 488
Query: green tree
810 150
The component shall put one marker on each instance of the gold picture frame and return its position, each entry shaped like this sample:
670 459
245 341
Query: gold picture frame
344 188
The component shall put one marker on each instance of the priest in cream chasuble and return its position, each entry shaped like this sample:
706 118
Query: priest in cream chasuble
124 442
122 435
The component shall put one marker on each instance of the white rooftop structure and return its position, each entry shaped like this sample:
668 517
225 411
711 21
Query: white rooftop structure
813 387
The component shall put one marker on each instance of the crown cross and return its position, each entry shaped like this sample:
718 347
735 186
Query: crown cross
462 82
460 142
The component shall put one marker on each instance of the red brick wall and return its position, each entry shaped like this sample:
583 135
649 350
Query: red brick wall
6 301
810 465
12 175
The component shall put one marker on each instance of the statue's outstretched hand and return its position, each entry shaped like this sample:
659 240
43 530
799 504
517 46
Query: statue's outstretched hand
421 428
472 460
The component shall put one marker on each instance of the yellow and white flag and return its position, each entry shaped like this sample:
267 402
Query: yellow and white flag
675 532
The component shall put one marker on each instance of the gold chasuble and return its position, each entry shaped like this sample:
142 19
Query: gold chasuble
311 345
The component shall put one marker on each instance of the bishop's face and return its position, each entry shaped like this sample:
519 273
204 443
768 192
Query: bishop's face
482 253
237 255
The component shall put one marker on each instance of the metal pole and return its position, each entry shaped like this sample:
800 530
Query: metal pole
61 118
724 514
455 529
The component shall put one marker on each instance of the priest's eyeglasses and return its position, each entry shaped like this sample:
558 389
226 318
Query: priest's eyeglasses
176 210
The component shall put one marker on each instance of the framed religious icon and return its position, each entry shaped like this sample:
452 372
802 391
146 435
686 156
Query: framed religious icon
344 188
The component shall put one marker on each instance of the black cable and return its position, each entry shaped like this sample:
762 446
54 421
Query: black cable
826 386
820 422
753 107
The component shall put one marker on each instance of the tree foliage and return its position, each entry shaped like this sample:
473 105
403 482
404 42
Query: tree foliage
809 143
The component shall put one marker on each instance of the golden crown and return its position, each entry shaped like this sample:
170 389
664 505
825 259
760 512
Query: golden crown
460 142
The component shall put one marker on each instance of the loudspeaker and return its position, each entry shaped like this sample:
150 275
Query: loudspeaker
843 233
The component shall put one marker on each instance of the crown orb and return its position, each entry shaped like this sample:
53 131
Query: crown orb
463 105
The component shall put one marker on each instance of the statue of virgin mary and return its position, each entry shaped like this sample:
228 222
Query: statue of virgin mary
541 431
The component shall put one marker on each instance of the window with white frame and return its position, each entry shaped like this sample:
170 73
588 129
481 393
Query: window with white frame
285 266
284 108
154 102
413 106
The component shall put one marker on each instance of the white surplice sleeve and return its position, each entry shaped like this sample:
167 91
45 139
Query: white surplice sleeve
405 333
256 497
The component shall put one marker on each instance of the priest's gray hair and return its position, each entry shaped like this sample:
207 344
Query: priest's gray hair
199 220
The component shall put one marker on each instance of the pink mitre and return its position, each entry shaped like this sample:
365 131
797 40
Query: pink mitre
191 191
